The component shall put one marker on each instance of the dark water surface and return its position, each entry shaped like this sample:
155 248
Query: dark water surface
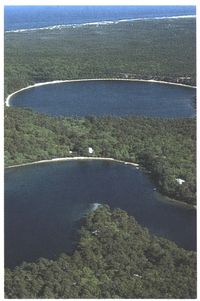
116 98
45 202
29 17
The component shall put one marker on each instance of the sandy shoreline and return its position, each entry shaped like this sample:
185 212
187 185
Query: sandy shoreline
168 199
97 23
73 158
8 99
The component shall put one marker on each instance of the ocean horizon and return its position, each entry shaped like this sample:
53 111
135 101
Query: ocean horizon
25 18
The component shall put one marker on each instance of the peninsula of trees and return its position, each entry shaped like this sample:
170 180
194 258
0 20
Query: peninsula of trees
115 258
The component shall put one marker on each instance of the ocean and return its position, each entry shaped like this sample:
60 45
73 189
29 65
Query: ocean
20 18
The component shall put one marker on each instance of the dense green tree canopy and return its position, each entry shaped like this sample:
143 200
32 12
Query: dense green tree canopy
115 258
165 147
159 49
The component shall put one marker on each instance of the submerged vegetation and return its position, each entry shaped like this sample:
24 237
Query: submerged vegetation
115 258
165 147
159 49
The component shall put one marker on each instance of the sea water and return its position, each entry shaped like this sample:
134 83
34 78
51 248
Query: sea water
30 17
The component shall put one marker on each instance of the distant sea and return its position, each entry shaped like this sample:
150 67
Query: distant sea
20 18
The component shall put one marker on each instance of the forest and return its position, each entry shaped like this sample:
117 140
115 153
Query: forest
166 148
139 49
115 258
159 49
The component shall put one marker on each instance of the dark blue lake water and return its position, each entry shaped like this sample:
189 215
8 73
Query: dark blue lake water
109 97
27 17
44 204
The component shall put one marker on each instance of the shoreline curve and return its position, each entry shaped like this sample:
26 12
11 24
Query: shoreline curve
8 99
136 165
97 23
72 159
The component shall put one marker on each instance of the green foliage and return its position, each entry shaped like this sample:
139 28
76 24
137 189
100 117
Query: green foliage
139 49
115 258
125 50
165 147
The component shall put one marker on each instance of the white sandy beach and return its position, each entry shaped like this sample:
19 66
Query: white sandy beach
74 158
95 158
108 22
8 99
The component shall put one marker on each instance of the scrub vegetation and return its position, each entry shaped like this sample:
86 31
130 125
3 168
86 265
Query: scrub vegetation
165 147
159 49
115 258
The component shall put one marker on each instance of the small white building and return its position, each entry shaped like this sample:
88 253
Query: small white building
136 275
90 150
180 181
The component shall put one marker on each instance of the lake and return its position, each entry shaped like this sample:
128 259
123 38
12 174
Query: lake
108 97
44 204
